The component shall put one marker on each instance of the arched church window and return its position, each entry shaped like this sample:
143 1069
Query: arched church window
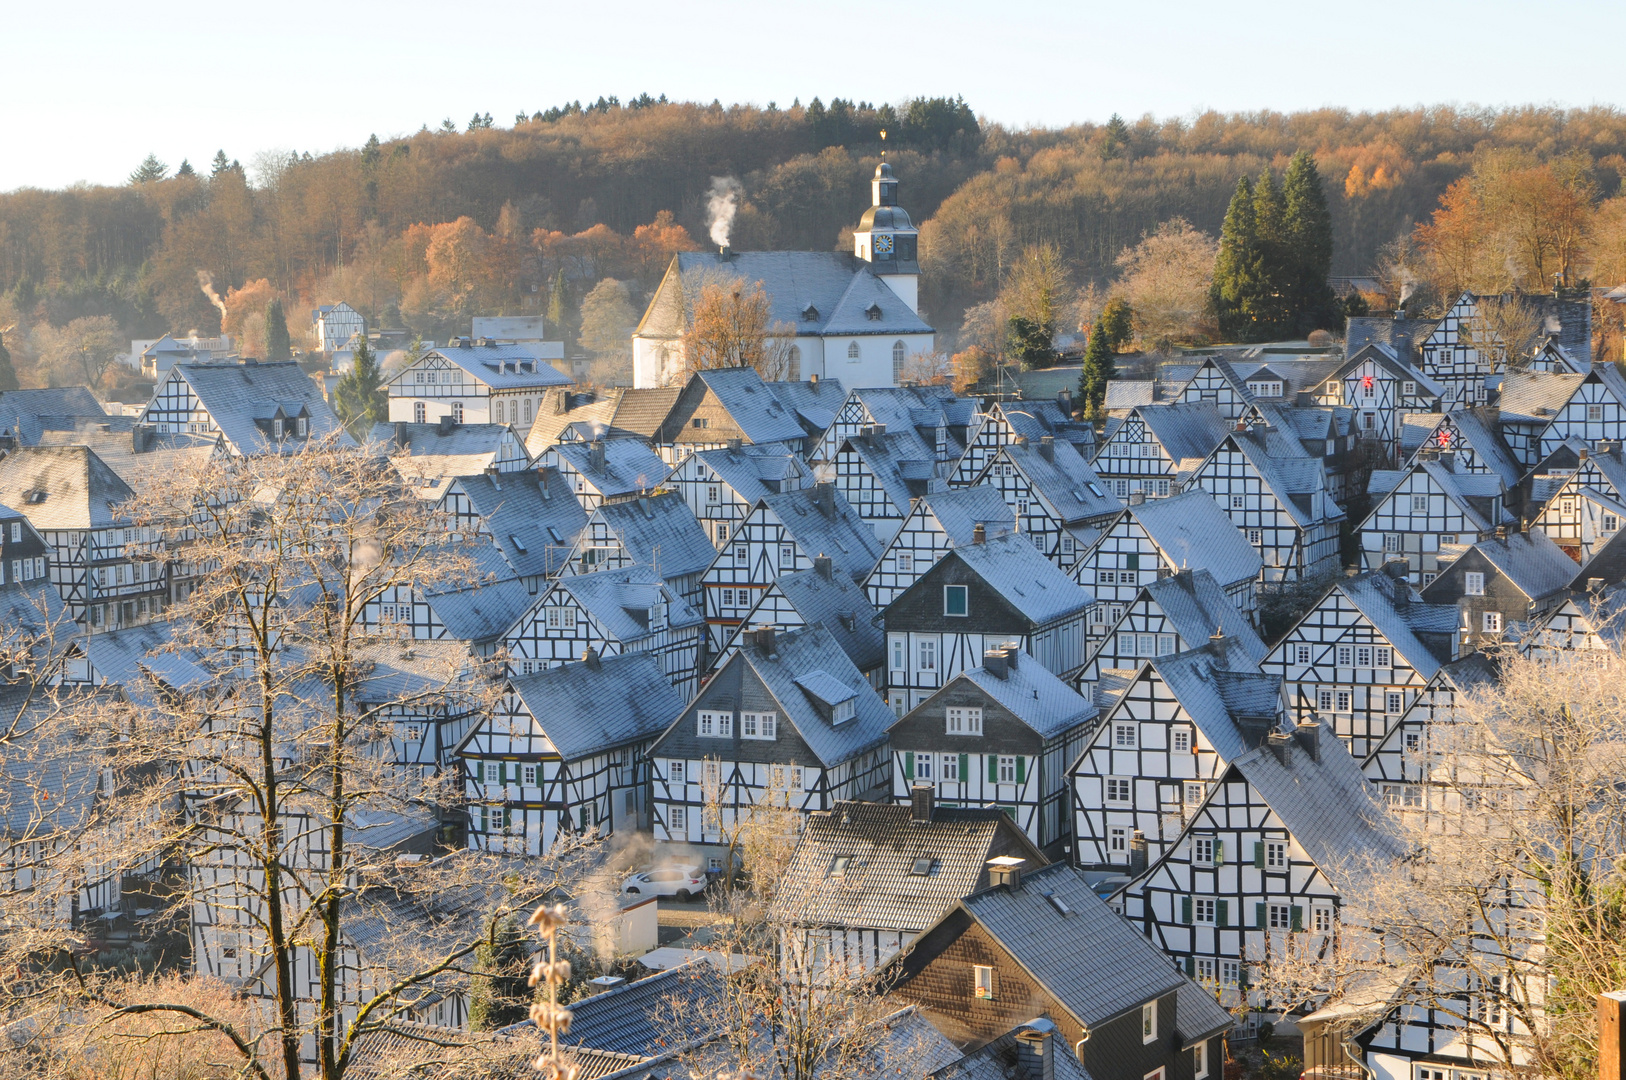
852 351
897 361
795 363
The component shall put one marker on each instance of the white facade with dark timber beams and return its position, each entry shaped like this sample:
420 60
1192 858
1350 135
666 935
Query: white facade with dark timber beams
1173 614
721 486
1586 510
1058 501
1007 421
1461 354
1280 504
476 382
937 522
1430 505
1149 448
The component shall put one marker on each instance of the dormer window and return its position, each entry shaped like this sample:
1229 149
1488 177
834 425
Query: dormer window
810 314
276 428
873 312
302 427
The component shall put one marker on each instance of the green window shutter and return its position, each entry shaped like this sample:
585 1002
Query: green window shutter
502 772
1242 980
1021 767
1222 913
1298 918
1259 854
993 768
1219 852
1132 561
965 769
1185 909
908 764
1259 916
1191 966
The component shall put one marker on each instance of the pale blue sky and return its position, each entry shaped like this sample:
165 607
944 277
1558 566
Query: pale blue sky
87 89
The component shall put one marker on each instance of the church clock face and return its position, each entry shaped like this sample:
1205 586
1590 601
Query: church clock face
883 243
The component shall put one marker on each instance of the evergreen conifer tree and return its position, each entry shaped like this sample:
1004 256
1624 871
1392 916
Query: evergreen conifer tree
186 169
557 301
1098 368
277 344
219 165
1272 315
149 170
1307 236
1240 281
8 374
1118 319
360 398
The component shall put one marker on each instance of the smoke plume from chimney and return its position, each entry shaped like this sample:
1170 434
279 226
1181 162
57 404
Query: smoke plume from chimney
722 203
206 282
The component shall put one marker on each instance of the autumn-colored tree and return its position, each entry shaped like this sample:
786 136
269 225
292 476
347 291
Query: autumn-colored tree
608 319
245 318
78 353
970 367
1165 278
730 326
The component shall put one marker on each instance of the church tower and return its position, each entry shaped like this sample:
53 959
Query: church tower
888 241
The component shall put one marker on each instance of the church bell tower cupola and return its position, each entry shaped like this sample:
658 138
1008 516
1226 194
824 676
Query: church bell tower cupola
887 239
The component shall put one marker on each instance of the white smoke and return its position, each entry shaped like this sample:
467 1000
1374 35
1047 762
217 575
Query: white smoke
722 203
206 282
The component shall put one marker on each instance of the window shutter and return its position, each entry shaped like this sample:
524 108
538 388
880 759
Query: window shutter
502 772
1021 766
964 775
1259 916
1191 966
908 764
1259 854
1298 918
1242 980
1185 909
1222 913
993 768
1132 561
1219 852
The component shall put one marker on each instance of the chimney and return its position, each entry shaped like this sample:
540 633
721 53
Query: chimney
605 983
1020 440
402 439
1594 585
725 253
1137 853
446 424
813 381
1399 569
979 533
140 435
823 567
1006 870
1448 458
1308 735
824 497
993 662
1137 498
763 638
1501 532
1581 454
590 658
1036 1049
921 798
595 455
1012 650
1277 741
1047 447
1064 400
734 445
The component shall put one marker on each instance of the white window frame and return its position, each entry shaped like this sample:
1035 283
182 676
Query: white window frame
1275 855
962 720
762 726
982 982
1473 583
1120 790
1148 1027
1125 735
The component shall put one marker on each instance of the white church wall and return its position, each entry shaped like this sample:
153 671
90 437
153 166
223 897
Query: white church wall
907 287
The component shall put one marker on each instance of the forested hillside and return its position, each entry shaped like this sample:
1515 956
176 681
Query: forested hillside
428 230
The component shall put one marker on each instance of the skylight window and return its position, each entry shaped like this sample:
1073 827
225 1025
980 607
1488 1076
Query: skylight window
557 539
922 867
1096 491
1057 903
519 545
840 865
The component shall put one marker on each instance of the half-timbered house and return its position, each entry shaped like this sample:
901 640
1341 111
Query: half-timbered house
428 455
938 521
531 516
1502 586
1551 355
602 470
136 452
1586 508
1462 354
944 421
1030 421
783 534
812 401
1217 383
1037 943
1154 445
109 571
412 692
1408 766
564 752
1592 619
823 597
977 597
1182 611
25 415
1595 411
1357 660
476 381
1000 734
867 878
611 612
1271 852
1154 538
1162 745
787 716
255 408
1281 504
881 473
1381 389
658 531
1471 436
721 486
1429 504
1529 402
721 404
476 606
26 557
1059 503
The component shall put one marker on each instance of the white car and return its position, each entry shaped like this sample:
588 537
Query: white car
683 882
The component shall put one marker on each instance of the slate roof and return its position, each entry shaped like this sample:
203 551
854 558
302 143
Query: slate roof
753 471
611 597
1064 479
1301 373
1483 437
1401 337
1025 579
137 453
129 657
590 417
585 709
835 530
637 1018
841 607
752 405
496 365
1567 321
800 654
659 531
79 490
533 516
1035 419
1198 607
1216 697
1536 395
1374 595
960 510
1186 430
1397 366
879 890
902 464
999 1060
1033 695
1293 481
50 784
431 454
235 396
1328 806
481 609
1090 960
1130 393
897 406
644 409
812 401
1193 532
21 411
630 466
1531 561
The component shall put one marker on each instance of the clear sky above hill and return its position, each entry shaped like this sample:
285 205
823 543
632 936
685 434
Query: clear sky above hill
88 89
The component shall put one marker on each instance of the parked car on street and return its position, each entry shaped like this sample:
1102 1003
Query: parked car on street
683 882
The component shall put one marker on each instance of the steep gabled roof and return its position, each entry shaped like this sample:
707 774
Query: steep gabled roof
960 510
237 396
865 295
1186 430
1063 478
62 487
1032 695
841 607
482 609
21 411
505 367
812 401
752 405
136 452
1400 337
1293 481
659 531
1394 609
902 464
1192 532
588 707
532 515
610 598
879 889
630 466
1216 698
1536 396
755 470
1023 578
822 522
1531 561
1483 437
1394 364
1198 607
813 657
